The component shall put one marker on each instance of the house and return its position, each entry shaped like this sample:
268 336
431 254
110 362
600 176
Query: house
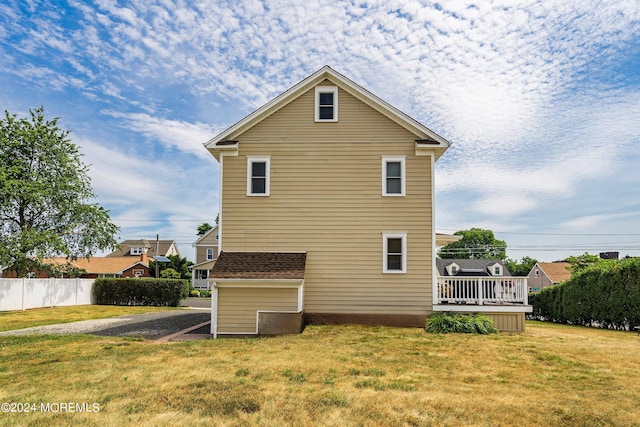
327 213
472 267
206 255
545 274
96 267
138 247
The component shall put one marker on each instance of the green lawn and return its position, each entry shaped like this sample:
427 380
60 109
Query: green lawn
550 375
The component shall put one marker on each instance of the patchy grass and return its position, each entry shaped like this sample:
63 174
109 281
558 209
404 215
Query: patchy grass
550 375
10 320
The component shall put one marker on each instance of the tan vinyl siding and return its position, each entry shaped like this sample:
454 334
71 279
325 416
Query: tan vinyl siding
238 307
508 322
201 253
206 242
326 199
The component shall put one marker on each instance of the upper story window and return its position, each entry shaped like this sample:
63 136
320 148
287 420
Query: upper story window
394 248
326 104
258 169
209 254
393 176
137 251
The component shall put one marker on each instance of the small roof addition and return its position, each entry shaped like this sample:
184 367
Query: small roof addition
260 265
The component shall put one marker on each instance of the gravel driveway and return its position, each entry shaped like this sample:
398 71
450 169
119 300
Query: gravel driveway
148 326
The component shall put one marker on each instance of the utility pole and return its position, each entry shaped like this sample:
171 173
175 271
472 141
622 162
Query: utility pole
157 249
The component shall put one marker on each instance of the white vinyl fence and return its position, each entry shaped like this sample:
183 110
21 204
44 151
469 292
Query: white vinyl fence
21 294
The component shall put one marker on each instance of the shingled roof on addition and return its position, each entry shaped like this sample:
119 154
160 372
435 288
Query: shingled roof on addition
260 265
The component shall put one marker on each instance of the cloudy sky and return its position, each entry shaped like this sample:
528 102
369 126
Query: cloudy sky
541 101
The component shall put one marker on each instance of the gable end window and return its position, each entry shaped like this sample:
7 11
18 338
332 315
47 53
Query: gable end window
326 104
258 170
394 250
209 254
393 176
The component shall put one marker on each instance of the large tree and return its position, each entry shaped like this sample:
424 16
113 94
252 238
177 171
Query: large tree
521 268
475 243
46 199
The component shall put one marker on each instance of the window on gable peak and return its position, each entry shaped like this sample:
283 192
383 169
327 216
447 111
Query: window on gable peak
326 104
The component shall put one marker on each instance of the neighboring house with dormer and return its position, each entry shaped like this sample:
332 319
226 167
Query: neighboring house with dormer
472 267
327 214
146 246
546 274
206 254
94 267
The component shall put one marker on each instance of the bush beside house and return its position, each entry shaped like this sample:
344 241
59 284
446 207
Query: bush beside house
154 292
606 295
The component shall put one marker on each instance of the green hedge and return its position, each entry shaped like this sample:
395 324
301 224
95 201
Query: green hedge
155 292
605 295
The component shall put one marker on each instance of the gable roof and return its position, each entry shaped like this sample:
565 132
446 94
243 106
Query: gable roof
470 265
556 271
213 230
124 248
101 265
424 135
260 265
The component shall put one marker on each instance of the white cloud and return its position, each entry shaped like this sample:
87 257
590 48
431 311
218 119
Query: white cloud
173 134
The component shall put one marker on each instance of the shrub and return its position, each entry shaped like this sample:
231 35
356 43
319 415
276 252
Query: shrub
606 294
194 293
205 294
444 323
155 292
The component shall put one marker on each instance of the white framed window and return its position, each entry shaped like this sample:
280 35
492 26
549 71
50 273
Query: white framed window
393 176
394 252
136 251
258 171
452 269
495 270
326 104
209 254
138 273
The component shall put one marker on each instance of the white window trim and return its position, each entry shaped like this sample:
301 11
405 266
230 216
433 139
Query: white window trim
267 187
326 89
403 174
209 258
452 268
385 237
493 270
137 251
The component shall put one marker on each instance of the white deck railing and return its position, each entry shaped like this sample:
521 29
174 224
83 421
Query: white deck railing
482 290
200 284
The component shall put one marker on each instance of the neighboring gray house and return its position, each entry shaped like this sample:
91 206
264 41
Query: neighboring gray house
546 274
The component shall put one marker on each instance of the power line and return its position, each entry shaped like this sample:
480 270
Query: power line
554 234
